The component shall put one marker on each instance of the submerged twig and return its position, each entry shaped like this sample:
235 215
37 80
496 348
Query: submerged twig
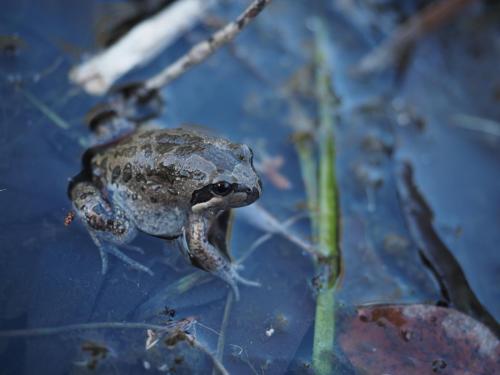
203 50
262 219
174 330
397 44
218 366
50 331
242 355
51 115
286 233
486 126
223 328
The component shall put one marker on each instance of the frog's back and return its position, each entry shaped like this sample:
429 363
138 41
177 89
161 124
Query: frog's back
177 157
153 173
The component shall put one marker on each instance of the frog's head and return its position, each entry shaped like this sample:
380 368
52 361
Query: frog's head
234 184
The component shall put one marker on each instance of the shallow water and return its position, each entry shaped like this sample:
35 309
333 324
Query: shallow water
50 274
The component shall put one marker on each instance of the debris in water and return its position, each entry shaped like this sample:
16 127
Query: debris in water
269 167
97 353
11 44
270 332
398 45
69 218
152 338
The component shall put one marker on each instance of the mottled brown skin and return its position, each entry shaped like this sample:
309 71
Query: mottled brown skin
169 183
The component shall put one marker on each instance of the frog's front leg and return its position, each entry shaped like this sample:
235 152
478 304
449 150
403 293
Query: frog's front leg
207 257
108 226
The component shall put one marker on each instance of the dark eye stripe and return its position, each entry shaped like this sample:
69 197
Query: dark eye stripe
221 189
202 195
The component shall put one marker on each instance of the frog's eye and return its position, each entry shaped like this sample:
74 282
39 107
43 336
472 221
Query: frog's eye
222 188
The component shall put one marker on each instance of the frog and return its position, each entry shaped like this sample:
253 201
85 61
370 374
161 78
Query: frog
171 183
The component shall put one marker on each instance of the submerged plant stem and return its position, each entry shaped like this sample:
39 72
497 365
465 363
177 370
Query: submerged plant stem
324 326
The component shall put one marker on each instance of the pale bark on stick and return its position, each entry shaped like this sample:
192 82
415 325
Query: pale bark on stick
141 44
203 50
429 19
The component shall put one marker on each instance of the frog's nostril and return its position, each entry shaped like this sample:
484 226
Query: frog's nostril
253 193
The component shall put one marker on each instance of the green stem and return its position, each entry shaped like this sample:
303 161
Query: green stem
324 332
304 145
324 326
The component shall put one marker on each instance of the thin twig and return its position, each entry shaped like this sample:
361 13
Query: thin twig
282 229
203 50
210 329
218 366
50 331
429 19
214 23
478 124
49 113
223 328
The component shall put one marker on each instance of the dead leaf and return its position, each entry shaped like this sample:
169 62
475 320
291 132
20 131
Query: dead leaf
417 339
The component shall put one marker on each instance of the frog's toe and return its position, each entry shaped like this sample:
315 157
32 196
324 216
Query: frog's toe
237 266
104 260
246 282
124 258
133 248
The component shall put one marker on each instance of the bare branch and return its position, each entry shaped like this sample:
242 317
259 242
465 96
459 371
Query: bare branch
430 18
203 50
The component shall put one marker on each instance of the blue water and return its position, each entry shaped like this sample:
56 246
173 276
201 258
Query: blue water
50 274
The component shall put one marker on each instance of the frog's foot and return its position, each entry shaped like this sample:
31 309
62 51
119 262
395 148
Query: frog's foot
247 282
108 248
240 279
107 223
